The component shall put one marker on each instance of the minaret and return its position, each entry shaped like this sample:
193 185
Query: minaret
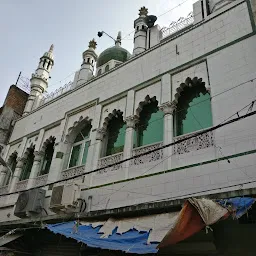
39 80
89 61
140 34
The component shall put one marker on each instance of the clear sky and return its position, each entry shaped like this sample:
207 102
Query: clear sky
29 27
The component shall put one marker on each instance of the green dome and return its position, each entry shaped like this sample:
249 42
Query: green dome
113 53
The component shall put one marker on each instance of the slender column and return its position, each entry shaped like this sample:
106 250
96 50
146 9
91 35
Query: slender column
17 172
57 162
35 169
168 108
100 134
131 122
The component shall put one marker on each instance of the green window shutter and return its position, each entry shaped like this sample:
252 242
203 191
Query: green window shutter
74 159
152 132
116 136
27 167
86 147
193 114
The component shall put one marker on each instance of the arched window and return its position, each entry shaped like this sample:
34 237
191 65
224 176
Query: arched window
99 72
107 68
48 66
44 63
80 147
47 158
115 134
12 162
26 170
193 110
149 129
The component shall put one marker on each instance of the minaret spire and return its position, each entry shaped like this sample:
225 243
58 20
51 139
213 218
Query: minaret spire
51 48
118 39
89 61
39 80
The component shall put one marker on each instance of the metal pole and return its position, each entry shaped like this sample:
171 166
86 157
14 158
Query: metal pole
18 78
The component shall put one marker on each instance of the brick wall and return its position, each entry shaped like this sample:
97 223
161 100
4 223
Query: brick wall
16 99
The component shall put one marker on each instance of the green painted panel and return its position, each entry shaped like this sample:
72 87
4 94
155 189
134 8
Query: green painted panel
27 167
116 142
196 116
75 156
151 131
86 147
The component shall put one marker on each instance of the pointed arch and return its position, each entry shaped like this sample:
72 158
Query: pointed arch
28 157
188 83
46 155
193 107
76 127
149 129
114 127
78 140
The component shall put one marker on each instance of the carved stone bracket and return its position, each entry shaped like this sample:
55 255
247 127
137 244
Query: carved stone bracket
38 156
168 107
20 162
100 133
131 121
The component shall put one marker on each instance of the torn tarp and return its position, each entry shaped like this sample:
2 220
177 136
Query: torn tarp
132 241
195 215
134 235
238 206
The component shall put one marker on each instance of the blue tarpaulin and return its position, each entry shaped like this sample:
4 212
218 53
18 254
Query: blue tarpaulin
132 241
239 205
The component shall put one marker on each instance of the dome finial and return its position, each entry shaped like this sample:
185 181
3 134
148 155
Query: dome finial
118 38
92 44
143 11
51 48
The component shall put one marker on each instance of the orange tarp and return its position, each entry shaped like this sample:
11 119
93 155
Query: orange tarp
188 223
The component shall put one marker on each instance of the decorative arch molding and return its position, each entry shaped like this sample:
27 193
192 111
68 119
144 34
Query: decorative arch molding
145 102
28 149
188 83
110 116
48 141
76 127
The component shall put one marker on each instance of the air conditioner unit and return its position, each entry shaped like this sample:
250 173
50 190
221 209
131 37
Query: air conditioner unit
65 198
29 202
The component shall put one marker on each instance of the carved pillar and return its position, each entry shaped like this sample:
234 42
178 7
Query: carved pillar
35 168
57 162
100 134
168 108
17 172
131 122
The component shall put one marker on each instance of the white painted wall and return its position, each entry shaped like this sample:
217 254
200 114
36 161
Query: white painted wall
221 70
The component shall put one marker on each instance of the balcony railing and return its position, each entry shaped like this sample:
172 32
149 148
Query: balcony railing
151 157
201 141
41 180
72 172
178 25
108 160
4 190
21 185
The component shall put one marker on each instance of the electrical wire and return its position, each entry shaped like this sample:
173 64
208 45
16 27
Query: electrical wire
158 16
180 110
142 154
